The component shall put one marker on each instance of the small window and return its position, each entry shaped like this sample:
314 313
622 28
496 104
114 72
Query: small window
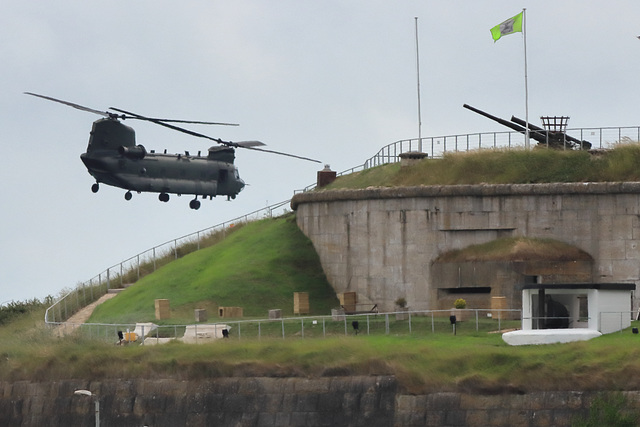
468 290
223 175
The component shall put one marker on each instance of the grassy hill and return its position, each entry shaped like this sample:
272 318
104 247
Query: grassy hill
257 267
504 167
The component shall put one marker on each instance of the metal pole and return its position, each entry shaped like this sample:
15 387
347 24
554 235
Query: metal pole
526 86
418 79
97 403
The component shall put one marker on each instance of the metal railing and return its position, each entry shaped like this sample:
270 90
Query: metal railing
422 322
437 146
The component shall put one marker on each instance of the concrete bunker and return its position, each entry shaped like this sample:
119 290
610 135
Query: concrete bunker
503 268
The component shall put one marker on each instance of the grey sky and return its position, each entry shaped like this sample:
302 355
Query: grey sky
333 80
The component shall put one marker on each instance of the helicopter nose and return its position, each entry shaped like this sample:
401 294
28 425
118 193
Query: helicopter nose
92 163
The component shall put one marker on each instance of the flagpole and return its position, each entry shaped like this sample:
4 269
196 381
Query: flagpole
418 79
526 86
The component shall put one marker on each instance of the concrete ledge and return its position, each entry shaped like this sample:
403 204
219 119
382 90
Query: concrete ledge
466 190
548 336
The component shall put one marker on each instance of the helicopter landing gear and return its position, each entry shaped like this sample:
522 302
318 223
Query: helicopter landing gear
95 187
163 197
194 204
128 195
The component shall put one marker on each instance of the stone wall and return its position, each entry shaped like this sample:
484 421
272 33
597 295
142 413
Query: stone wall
337 401
356 401
381 242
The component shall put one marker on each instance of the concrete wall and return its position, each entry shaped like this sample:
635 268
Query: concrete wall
381 242
337 401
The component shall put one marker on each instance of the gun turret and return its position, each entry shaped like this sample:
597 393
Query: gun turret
561 137
542 136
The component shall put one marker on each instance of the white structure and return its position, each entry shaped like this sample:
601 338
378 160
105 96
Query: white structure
567 312
603 307
204 333
548 336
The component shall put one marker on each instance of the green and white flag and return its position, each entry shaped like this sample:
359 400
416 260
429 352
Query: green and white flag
510 26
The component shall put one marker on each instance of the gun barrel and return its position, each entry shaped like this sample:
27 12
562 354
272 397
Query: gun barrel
503 122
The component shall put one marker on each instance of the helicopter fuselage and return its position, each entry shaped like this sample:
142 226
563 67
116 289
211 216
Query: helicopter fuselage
113 158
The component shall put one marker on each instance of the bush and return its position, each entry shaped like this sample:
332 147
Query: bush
460 303
14 309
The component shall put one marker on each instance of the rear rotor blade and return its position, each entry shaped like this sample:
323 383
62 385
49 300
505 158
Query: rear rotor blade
245 144
162 123
77 106
249 145
196 122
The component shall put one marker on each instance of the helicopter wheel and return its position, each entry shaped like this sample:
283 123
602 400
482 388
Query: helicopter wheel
95 187
194 204
128 195
163 197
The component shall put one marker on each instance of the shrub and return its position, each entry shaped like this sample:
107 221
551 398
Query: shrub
460 303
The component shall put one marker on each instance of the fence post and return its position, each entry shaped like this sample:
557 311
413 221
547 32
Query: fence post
477 327
433 326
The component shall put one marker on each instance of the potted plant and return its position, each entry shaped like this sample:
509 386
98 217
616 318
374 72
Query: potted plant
402 309
458 309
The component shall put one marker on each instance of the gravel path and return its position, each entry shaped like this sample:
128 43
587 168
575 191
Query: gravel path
82 316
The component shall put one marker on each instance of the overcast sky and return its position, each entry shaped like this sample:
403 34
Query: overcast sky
332 80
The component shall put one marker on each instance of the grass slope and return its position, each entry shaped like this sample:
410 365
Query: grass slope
504 167
258 267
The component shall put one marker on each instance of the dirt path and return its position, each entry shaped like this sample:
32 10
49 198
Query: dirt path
82 316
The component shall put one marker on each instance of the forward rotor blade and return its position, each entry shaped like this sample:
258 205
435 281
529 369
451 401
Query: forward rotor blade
218 140
71 104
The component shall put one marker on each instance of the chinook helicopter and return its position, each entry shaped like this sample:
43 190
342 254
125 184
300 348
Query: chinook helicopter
113 158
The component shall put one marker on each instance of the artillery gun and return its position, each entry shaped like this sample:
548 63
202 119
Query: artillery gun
552 137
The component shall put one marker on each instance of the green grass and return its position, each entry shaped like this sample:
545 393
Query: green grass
504 167
516 249
469 361
258 268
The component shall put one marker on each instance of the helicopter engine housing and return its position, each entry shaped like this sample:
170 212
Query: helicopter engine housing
137 152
